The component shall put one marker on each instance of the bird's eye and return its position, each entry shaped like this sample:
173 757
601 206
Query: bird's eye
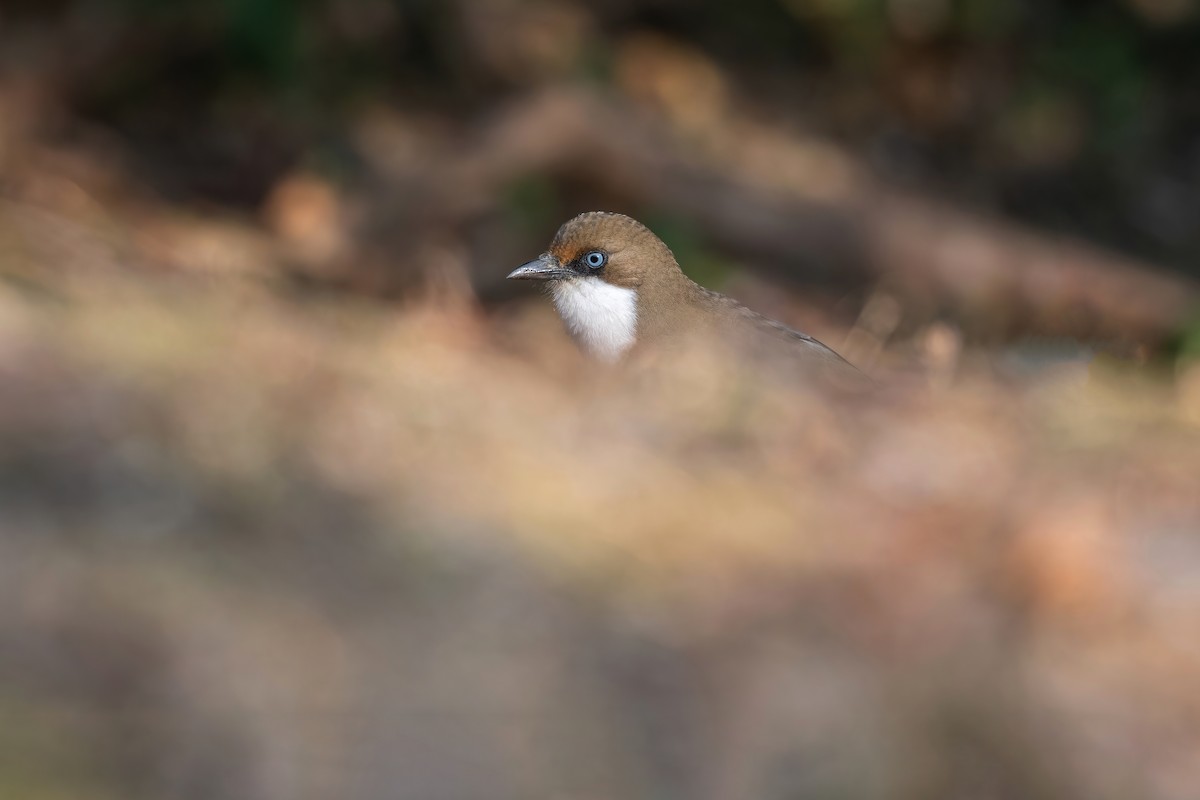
595 259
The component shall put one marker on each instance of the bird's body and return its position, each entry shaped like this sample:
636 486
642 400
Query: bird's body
617 287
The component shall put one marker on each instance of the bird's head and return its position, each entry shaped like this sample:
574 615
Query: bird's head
612 280
602 246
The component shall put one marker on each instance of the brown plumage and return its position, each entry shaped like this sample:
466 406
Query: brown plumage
600 261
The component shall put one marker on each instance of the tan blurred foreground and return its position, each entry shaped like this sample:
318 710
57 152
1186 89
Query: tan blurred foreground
259 549
259 539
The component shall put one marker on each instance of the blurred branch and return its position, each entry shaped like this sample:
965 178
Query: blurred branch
807 205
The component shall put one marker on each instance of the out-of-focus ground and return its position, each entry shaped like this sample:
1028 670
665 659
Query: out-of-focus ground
299 500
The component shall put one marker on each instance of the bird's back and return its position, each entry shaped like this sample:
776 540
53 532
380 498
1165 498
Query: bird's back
770 338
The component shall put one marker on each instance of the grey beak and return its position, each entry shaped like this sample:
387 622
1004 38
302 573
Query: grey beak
543 268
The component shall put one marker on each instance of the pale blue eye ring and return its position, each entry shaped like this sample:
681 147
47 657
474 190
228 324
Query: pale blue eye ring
595 259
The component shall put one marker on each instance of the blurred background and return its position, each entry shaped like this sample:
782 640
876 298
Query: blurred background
298 499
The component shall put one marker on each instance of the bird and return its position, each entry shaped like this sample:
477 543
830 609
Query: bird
618 287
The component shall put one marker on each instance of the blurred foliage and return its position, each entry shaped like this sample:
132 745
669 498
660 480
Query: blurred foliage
1187 346
1081 116
700 261
532 204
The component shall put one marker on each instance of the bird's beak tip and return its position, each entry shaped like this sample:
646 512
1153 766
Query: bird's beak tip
519 273
543 268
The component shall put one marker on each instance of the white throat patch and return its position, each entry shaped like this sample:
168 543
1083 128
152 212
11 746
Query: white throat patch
601 317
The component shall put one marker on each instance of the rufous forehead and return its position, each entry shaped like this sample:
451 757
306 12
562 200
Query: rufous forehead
566 252
568 248
573 242
597 229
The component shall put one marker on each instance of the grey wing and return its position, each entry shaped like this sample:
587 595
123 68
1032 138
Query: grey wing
814 347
